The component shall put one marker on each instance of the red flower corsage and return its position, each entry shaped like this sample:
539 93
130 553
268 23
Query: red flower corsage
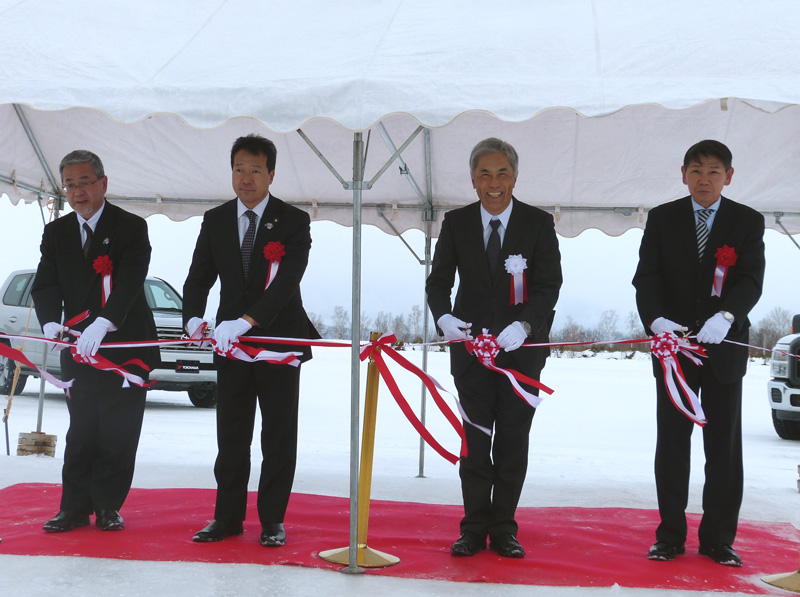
103 265
726 256
273 251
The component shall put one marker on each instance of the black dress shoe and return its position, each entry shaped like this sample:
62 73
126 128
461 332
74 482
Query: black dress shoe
722 554
109 520
66 521
468 544
273 535
662 551
217 531
507 546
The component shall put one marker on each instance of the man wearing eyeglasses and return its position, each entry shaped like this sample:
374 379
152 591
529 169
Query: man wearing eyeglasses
105 417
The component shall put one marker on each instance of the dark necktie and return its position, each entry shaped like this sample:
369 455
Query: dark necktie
493 246
88 241
702 230
247 242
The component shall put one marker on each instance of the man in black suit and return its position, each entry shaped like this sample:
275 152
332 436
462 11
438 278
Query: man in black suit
683 245
231 246
475 242
105 418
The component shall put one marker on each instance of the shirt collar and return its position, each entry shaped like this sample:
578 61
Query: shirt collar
258 209
713 207
502 216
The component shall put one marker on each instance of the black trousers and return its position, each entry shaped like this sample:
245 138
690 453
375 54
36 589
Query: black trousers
722 444
494 471
105 423
275 388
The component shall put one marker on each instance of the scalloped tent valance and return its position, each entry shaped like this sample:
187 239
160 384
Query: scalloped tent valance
600 103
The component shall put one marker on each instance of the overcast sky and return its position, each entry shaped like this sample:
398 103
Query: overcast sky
597 268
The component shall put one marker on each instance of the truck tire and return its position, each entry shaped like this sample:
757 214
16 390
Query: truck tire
7 367
203 397
786 429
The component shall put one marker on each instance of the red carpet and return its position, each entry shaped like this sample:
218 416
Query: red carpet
566 546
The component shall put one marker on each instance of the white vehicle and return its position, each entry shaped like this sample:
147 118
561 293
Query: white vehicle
784 387
182 368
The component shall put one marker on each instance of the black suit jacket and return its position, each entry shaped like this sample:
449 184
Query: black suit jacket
484 301
278 310
66 282
671 282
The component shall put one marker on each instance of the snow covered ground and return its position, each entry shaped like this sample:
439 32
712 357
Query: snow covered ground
592 446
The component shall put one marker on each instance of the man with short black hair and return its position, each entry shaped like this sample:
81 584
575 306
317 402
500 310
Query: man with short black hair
680 287
258 297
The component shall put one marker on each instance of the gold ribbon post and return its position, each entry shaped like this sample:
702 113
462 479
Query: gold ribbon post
366 556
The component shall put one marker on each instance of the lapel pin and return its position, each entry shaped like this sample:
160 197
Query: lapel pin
269 225
105 241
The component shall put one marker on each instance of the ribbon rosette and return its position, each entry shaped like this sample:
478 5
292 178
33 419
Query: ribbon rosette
485 347
104 266
273 252
665 347
516 265
726 257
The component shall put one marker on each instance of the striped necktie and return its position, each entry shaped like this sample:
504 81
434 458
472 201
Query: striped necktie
247 242
702 230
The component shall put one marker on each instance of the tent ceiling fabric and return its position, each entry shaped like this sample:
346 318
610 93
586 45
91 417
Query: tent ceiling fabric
600 103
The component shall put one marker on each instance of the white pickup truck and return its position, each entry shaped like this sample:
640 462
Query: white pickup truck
182 368
784 388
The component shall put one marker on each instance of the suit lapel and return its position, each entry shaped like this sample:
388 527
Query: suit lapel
267 227
685 230
473 236
721 224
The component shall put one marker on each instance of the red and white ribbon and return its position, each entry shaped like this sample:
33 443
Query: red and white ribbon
104 266
665 347
100 362
381 346
726 257
516 266
273 253
13 354
485 347
251 354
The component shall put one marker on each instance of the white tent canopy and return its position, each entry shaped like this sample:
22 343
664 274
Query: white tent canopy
600 98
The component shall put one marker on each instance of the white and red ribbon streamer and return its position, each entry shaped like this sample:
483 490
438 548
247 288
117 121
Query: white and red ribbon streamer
486 349
516 266
726 257
383 346
17 355
665 347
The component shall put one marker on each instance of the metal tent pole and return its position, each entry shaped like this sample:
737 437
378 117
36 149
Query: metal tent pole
355 360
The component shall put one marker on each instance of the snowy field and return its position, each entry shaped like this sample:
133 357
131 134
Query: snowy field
592 446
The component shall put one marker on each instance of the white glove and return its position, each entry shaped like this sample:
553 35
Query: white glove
512 337
662 325
226 333
52 330
714 330
193 324
90 339
453 328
